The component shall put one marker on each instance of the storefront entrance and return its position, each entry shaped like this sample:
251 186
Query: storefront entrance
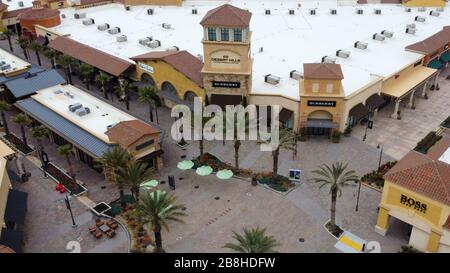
318 131
320 123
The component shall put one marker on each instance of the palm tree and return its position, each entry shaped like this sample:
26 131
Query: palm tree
337 177
86 71
204 121
37 48
66 62
8 33
102 79
66 151
157 209
38 133
113 161
148 95
23 43
4 106
123 92
235 123
287 140
23 120
253 241
135 173
51 54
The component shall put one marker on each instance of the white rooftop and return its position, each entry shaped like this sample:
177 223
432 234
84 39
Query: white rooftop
14 62
445 157
14 4
102 114
288 41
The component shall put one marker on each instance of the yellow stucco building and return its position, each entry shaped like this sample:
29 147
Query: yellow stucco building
417 192
425 3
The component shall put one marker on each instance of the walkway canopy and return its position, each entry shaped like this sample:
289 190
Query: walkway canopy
318 123
92 56
445 57
400 87
34 82
435 63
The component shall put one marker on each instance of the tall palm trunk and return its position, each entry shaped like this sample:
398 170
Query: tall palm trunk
10 44
24 137
275 155
105 94
200 145
237 144
158 239
87 83
5 124
53 62
150 110
69 164
122 196
25 53
38 57
156 112
136 193
333 209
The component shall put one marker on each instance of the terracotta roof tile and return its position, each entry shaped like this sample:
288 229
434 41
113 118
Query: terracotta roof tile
97 58
4 249
227 15
447 223
424 173
183 61
128 132
322 71
3 6
14 13
432 43
38 14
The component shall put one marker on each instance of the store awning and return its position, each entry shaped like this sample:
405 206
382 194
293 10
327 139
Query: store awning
320 123
399 87
359 111
16 207
285 115
445 57
374 101
224 100
32 83
12 239
435 63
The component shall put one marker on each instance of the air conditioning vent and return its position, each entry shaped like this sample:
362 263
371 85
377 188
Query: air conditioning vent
377 11
63 16
166 26
154 44
312 11
410 31
145 41
74 107
378 37
173 48
88 22
194 11
291 12
408 9
121 38
333 11
57 92
328 60
411 25
343 53
5 67
296 75
388 34
419 19
440 9
267 11
150 11
114 30
128 8
79 15
422 9
361 45
272 79
103 27
434 13
200 57
359 11
20 3
70 95
81 112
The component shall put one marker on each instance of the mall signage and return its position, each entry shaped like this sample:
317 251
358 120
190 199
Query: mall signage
146 68
412 203
322 103
226 84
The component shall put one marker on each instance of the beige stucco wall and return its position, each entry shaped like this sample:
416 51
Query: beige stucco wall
147 150
5 185
46 32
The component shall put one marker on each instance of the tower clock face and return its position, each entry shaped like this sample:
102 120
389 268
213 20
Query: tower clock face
225 59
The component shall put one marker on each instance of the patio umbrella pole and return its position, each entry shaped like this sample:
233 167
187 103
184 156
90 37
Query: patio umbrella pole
74 225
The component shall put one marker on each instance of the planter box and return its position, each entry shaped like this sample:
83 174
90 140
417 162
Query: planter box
18 144
59 175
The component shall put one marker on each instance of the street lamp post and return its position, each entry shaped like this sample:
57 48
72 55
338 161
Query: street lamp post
74 225
357 197
369 124
380 146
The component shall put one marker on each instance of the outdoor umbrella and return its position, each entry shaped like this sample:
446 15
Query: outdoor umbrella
149 184
185 165
224 174
204 170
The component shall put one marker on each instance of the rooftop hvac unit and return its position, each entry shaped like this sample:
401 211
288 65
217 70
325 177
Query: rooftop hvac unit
267 11
291 12
114 30
173 48
411 25
194 11
328 60
150 11
88 22
154 44
422 9
419 19
121 38
127 7
79 15
333 11
434 13
343 53
103 27
377 11
63 16
312 11
81 112
57 92
5 67
440 9
272 79
359 11
166 26
361 45
388 34
75 106
378 37
200 57
145 41
20 3
296 75
410 30
408 9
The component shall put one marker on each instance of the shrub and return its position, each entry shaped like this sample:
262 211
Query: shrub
427 142
336 136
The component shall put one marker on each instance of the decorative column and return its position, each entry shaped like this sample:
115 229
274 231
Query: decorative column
396 109
434 241
436 83
383 221
424 90
411 100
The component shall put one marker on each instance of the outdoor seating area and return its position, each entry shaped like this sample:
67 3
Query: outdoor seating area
104 227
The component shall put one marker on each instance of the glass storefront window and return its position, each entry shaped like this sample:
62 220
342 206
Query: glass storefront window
237 34
212 34
224 34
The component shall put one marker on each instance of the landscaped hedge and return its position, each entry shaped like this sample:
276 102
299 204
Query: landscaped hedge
446 123
427 142
18 143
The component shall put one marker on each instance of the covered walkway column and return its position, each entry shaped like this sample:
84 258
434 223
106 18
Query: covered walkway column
424 90
383 221
396 110
411 100
435 85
